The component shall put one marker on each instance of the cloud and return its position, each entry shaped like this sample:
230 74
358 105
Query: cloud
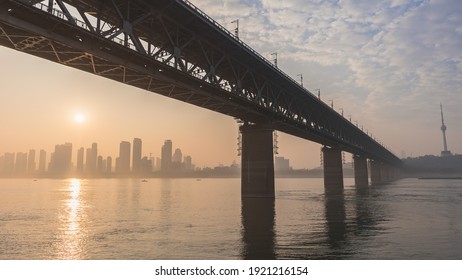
373 57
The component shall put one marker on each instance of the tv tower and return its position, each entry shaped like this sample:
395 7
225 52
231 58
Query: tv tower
445 152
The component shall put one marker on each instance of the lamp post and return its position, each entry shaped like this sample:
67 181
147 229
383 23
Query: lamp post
236 30
319 93
301 79
275 54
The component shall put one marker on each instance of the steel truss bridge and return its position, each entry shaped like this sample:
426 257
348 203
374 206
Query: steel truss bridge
172 48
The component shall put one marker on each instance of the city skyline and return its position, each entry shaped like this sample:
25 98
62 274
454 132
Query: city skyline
87 162
393 94
65 161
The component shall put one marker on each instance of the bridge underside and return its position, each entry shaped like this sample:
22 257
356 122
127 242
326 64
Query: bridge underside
136 71
107 59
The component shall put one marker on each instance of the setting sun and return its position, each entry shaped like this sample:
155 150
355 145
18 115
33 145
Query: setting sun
79 118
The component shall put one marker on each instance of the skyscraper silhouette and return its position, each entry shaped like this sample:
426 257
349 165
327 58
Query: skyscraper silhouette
100 165
21 163
31 162
123 161
188 163
137 145
177 156
109 164
8 163
42 161
166 155
91 159
177 159
80 154
61 160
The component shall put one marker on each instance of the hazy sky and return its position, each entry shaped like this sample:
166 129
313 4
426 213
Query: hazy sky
388 64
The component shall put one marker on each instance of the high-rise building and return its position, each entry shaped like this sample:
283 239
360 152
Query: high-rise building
91 159
281 164
177 156
88 164
8 163
80 154
188 163
61 160
21 163
136 162
177 159
100 166
42 161
158 164
146 165
166 155
31 162
109 165
123 161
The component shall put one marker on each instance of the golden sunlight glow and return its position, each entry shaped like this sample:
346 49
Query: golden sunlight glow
74 205
79 118
71 244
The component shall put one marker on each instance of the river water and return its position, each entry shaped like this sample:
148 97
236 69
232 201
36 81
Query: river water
206 219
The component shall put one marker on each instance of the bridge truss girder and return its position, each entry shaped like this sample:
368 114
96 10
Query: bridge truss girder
173 49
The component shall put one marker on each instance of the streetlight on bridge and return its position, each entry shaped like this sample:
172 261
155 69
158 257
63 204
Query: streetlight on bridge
236 30
301 79
331 103
319 93
275 54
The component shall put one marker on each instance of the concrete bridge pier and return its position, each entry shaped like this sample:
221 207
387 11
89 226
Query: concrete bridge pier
360 169
257 179
395 173
333 167
385 173
376 172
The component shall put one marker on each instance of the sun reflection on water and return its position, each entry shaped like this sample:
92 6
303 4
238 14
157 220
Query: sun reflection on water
72 233
74 205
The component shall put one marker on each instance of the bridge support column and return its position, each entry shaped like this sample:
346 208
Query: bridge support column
394 173
333 167
257 179
385 173
376 172
360 166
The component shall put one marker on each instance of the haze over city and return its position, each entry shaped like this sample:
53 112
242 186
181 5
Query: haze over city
387 64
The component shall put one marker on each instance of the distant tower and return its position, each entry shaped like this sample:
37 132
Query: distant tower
445 152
